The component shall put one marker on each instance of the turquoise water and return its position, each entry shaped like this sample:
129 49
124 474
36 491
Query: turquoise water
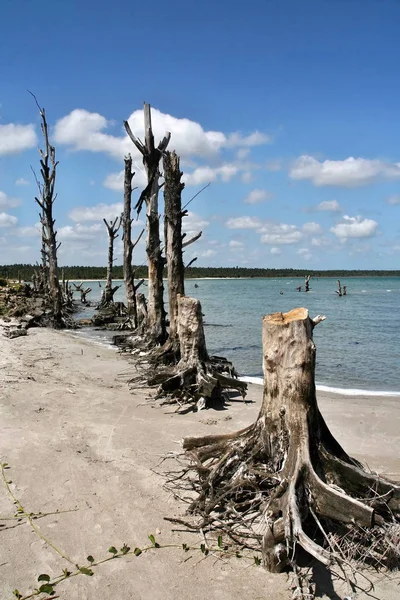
357 345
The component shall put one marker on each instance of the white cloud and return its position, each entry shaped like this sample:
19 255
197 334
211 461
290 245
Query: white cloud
282 233
394 199
329 205
7 220
312 228
7 202
350 172
242 153
243 223
193 223
29 231
236 244
305 253
247 177
205 174
82 130
115 181
256 196
22 181
16 138
97 212
354 227
82 232
207 253
275 250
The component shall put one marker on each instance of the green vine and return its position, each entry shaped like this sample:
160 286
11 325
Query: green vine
47 587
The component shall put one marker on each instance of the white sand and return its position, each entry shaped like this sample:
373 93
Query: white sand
74 436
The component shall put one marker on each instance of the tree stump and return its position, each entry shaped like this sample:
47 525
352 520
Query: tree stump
284 482
198 379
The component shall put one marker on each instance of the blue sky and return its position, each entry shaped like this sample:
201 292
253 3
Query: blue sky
290 109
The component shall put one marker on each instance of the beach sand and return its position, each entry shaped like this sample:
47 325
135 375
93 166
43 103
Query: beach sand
76 438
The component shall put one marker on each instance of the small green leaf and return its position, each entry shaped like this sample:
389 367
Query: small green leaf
204 549
125 549
113 550
86 571
152 539
90 558
4 465
257 561
46 588
44 577
220 541
137 552
17 594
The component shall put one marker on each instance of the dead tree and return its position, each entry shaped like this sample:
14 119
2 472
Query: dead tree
83 291
198 380
284 482
112 231
344 290
156 326
339 290
173 241
48 168
307 282
129 246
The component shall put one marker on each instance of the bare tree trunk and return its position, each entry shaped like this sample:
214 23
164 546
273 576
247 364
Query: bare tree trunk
127 238
339 290
48 167
307 282
286 475
173 238
112 230
151 160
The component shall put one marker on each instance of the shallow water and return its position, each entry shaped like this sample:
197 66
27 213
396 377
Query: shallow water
357 345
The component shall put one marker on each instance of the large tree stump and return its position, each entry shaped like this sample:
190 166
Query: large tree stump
198 380
284 482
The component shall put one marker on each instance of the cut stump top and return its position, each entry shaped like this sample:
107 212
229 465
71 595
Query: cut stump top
278 318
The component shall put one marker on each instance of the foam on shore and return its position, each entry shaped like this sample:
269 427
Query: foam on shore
332 390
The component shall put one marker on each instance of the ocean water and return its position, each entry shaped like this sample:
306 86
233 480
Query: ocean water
358 345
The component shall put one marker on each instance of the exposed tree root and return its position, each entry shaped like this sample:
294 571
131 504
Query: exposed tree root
284 483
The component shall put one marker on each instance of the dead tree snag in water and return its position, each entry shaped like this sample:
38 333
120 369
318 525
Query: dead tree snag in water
112 231
307 282
47 196
339 290
156 327
284 482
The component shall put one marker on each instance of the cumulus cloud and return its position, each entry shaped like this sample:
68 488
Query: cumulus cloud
83 130
81 232
354 227
256 196
7 220
97 212
22 181
350 172
29 231
275 250
205 174
7 202
278 234
236 244
243 223
115 181
16 138
394 199
312 228
329 205
193 223
305 253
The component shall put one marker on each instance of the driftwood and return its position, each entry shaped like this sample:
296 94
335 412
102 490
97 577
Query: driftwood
339 290
307 282
198 380
83 291
284 482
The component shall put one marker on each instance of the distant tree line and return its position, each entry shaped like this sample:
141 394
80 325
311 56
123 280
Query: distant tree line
25 272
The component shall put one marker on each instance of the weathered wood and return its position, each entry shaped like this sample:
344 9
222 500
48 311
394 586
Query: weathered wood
112 231
156 326
307 282
173 237
285 469
45 200
339 290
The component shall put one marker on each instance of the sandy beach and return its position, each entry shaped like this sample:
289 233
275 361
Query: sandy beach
77 440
